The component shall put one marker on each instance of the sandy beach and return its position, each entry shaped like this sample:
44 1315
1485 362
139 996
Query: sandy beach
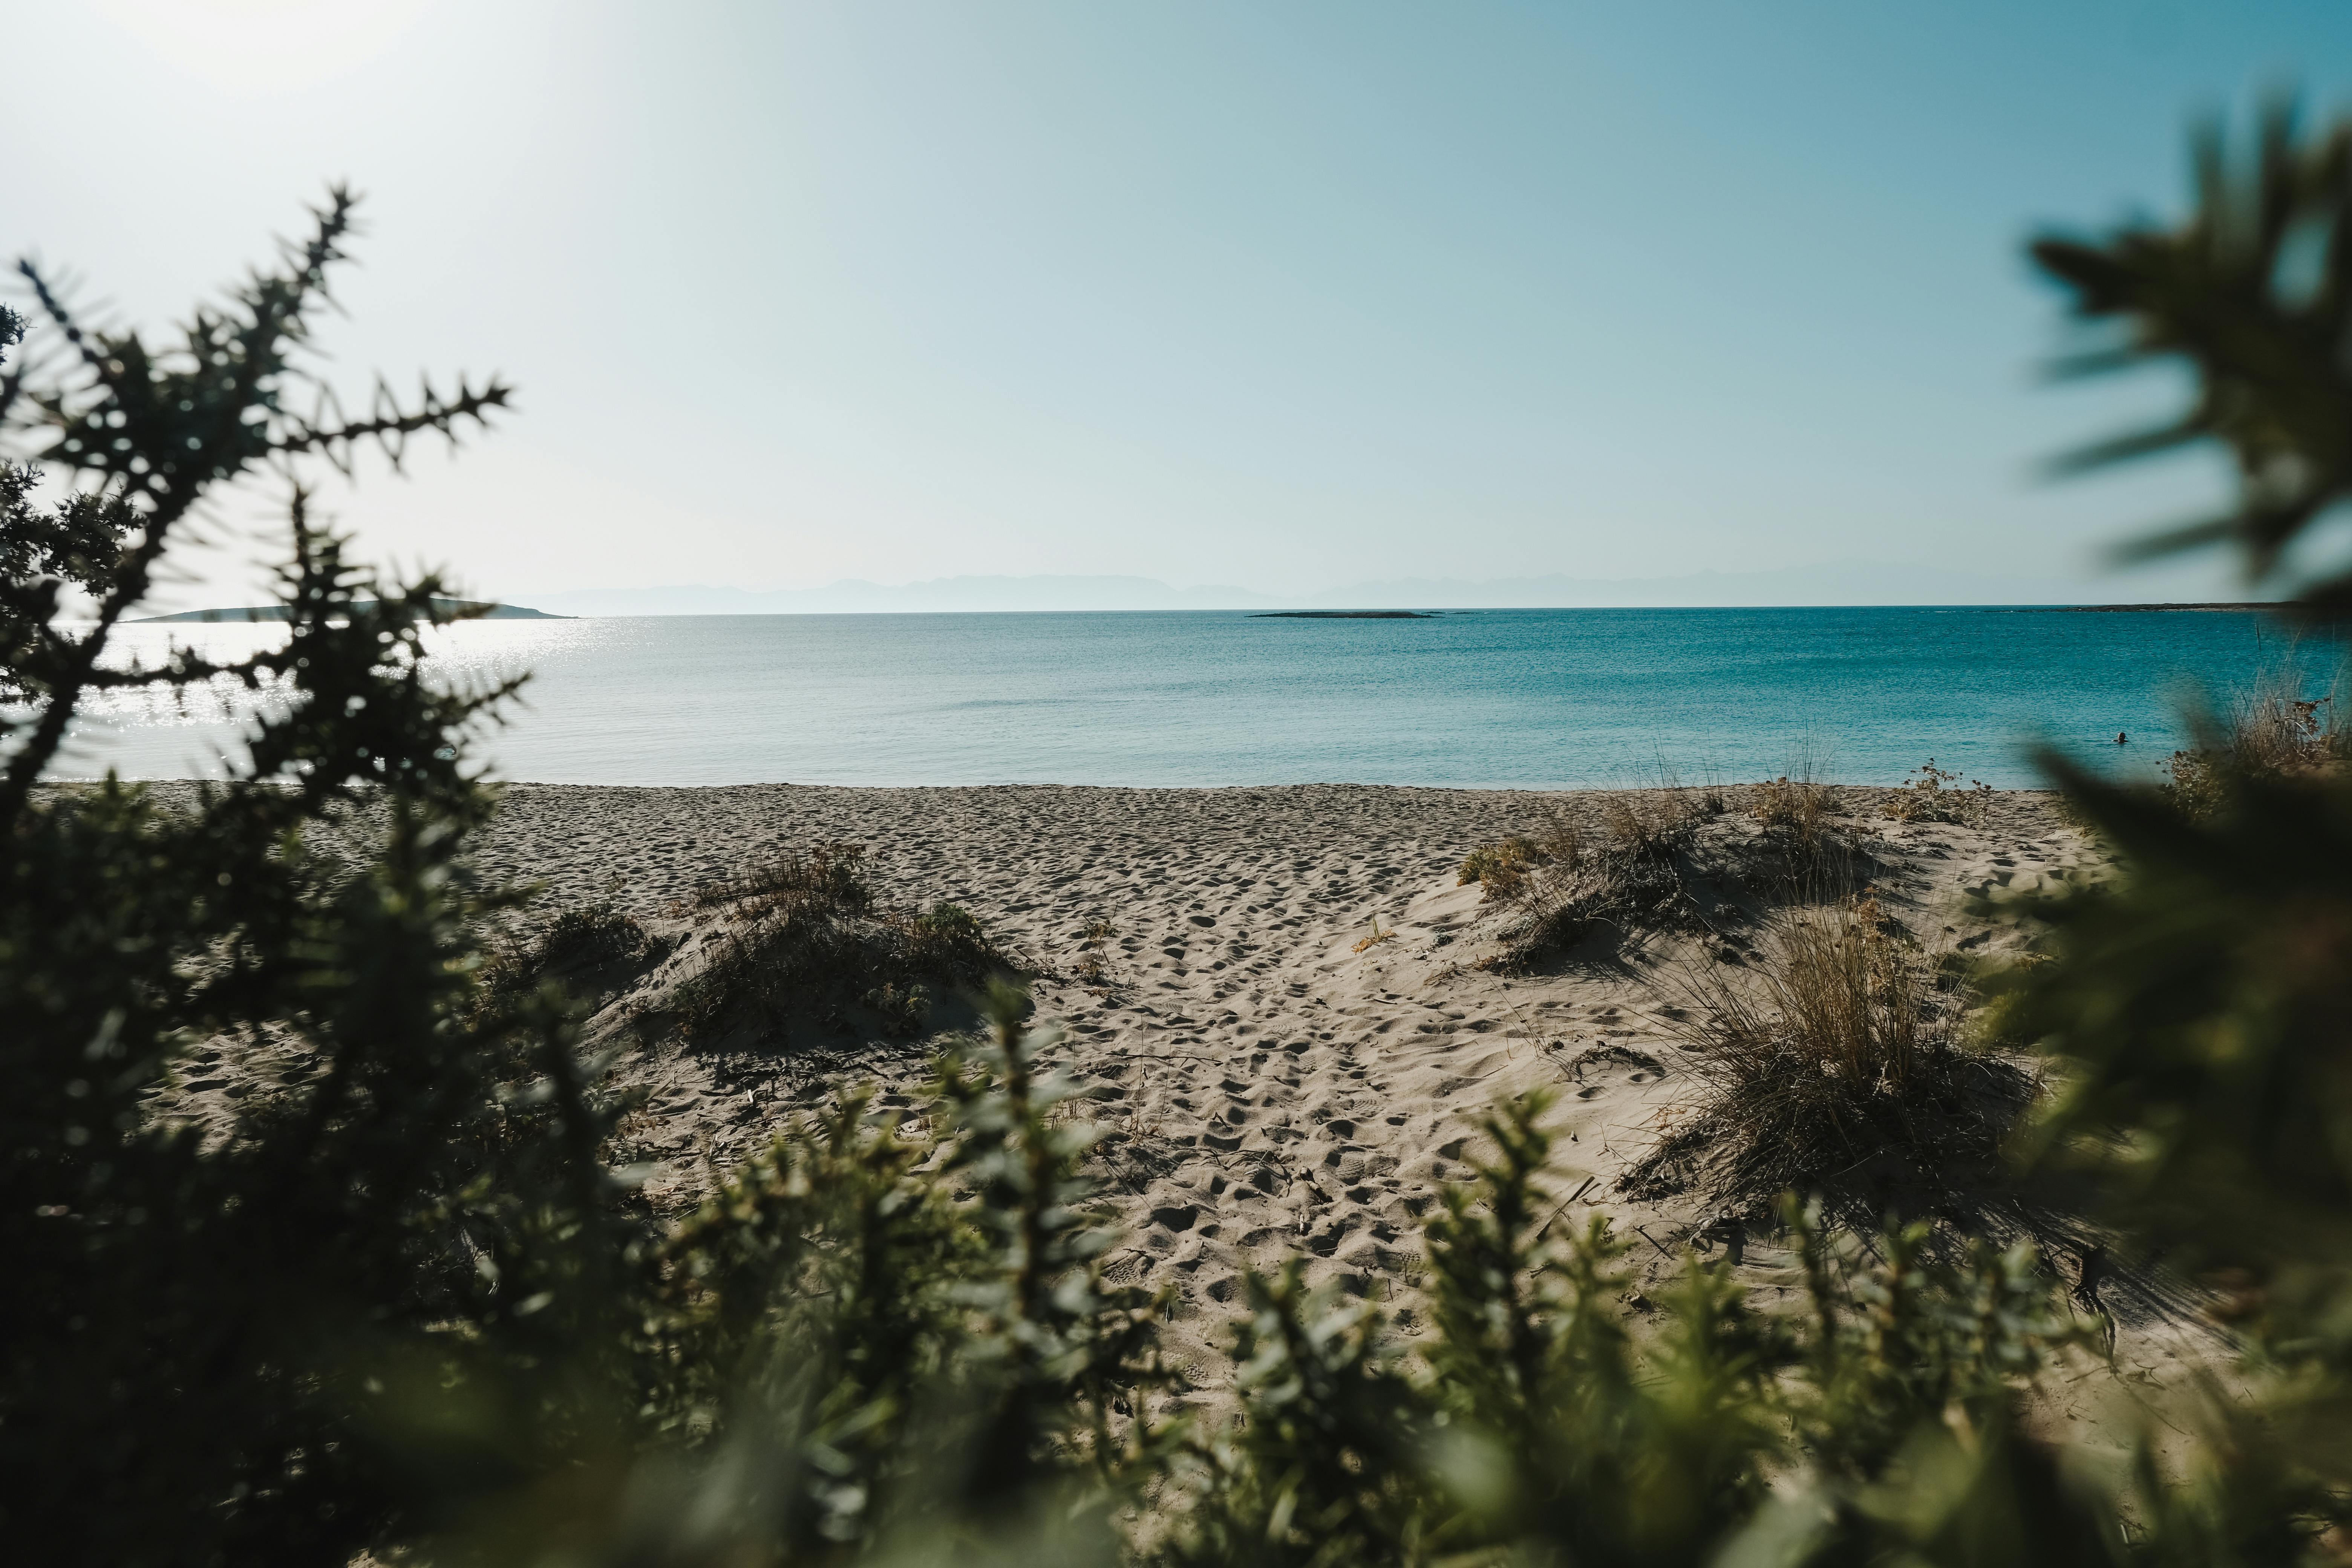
1275 994
1273 1082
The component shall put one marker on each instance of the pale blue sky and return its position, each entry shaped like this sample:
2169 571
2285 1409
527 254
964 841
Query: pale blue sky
1278 295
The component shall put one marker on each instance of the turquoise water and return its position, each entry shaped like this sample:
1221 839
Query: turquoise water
1503 698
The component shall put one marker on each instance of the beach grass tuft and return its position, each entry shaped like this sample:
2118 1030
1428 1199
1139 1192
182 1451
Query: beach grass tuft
1562 887
1663 860
807 934
1840 1071
572 944
828 876
1799 805
1931 795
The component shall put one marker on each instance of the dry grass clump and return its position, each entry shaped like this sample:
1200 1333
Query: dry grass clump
828 875
1091 969
1638 823
1663 860
1637 878
1930 795
1798 805
1650 868
2272 730
806 935
1812 861
574 941
1841 1072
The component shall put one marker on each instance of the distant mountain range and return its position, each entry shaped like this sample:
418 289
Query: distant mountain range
940 594
1845 583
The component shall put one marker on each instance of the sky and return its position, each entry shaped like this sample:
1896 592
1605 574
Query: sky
1279 295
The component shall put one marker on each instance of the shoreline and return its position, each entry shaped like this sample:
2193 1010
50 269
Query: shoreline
662 840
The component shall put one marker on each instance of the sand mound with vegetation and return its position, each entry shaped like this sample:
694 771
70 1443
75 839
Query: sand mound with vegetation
1291 1007
1290 1003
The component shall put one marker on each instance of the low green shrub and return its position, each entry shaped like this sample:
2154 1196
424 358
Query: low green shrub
805 936
1500 868
591 936
1531 1423
892 1329
572 943
948 925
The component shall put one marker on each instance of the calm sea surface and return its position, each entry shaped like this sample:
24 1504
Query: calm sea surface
1503 698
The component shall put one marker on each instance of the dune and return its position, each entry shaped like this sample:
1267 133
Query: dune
1281 998
1276 993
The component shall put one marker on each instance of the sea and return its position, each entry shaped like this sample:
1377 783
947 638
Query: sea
1503 699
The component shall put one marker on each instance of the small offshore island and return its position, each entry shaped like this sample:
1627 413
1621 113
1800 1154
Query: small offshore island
472 609
1344 615
2138 609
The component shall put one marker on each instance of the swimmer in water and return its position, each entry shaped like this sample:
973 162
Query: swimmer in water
2122 739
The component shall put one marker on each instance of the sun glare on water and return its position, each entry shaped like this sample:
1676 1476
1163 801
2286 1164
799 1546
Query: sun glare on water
265 45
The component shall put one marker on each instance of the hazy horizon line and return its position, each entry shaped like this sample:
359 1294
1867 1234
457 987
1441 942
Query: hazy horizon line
1849 584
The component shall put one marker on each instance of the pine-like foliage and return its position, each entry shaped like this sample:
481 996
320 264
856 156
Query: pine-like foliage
2253 291
1536 1423
223 1347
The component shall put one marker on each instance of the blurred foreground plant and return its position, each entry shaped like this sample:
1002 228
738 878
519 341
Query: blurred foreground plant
1537 1423
2196 1011
2200 1008
210 1333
